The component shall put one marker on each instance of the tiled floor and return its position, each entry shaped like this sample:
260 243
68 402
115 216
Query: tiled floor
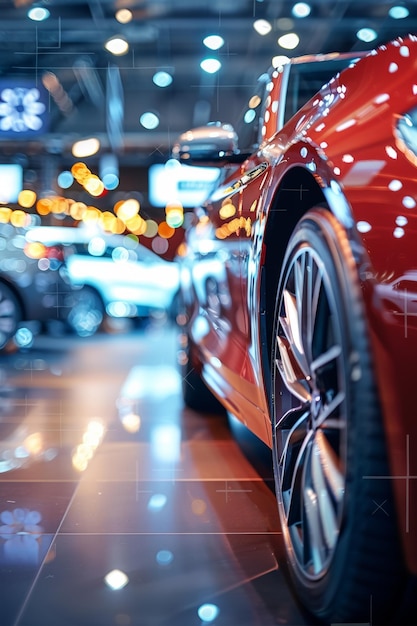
103 470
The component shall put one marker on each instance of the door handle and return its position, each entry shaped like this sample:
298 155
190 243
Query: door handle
249 176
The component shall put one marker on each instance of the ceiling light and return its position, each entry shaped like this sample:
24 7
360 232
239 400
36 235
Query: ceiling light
301 9
94 186
211 66
38 14
262 27
164 557
149 120
117 46
65 179
398 12
366 34
289 41
162 79
208 612
214 42
279 60
109 170
123 16
86 147
116 579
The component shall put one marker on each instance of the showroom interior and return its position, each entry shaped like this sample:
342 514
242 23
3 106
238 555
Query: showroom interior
119 504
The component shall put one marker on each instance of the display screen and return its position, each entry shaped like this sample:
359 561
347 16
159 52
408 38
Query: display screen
11 182
180 183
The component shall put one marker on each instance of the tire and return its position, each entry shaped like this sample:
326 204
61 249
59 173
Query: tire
87 312
10 314
339 527
196 394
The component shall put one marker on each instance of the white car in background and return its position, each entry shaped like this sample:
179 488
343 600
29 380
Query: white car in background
119 277
35 293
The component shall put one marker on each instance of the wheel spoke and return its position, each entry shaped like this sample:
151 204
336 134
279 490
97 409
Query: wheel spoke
291 435
290 371
9 315
328 519
297 318
296 492
316 286
314 544
299 284
331 467
292 420
7 308
290 323
325 359
311 319
312 282
330 408
7 324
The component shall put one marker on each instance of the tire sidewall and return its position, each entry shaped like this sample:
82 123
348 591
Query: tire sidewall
18 315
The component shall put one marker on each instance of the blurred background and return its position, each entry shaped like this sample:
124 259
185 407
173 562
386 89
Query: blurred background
92 96
113 494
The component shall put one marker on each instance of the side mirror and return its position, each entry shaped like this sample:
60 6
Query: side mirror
211 145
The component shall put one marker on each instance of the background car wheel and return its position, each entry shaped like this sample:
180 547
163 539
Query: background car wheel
10 314
338 523
87 312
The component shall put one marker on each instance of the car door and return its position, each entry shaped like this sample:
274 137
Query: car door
220 244
286 91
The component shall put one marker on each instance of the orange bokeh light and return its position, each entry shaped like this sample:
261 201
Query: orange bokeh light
165 231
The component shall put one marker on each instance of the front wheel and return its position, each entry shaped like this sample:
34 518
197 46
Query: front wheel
328 437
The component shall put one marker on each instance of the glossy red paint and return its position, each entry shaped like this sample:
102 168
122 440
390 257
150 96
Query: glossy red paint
378 179
343 148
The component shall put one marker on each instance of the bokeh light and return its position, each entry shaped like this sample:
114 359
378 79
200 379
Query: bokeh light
151 228
26 198
165 230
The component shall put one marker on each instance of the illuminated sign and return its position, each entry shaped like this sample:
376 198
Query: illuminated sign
188 185
23 109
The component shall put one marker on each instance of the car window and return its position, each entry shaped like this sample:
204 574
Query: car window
251 118
306 79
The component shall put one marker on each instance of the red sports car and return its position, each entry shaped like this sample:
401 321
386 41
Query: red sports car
291 276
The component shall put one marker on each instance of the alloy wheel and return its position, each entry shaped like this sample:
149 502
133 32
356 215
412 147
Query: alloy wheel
310 427
10 314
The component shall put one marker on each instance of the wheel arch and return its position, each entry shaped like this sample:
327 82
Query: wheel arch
298 191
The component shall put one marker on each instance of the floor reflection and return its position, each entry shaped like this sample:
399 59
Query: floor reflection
118 506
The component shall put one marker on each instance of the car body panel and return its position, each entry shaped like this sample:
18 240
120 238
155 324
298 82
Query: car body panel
341 147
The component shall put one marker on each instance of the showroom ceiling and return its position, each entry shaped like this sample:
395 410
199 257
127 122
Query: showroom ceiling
87 85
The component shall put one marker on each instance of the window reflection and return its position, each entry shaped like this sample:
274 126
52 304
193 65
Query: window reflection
22 541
